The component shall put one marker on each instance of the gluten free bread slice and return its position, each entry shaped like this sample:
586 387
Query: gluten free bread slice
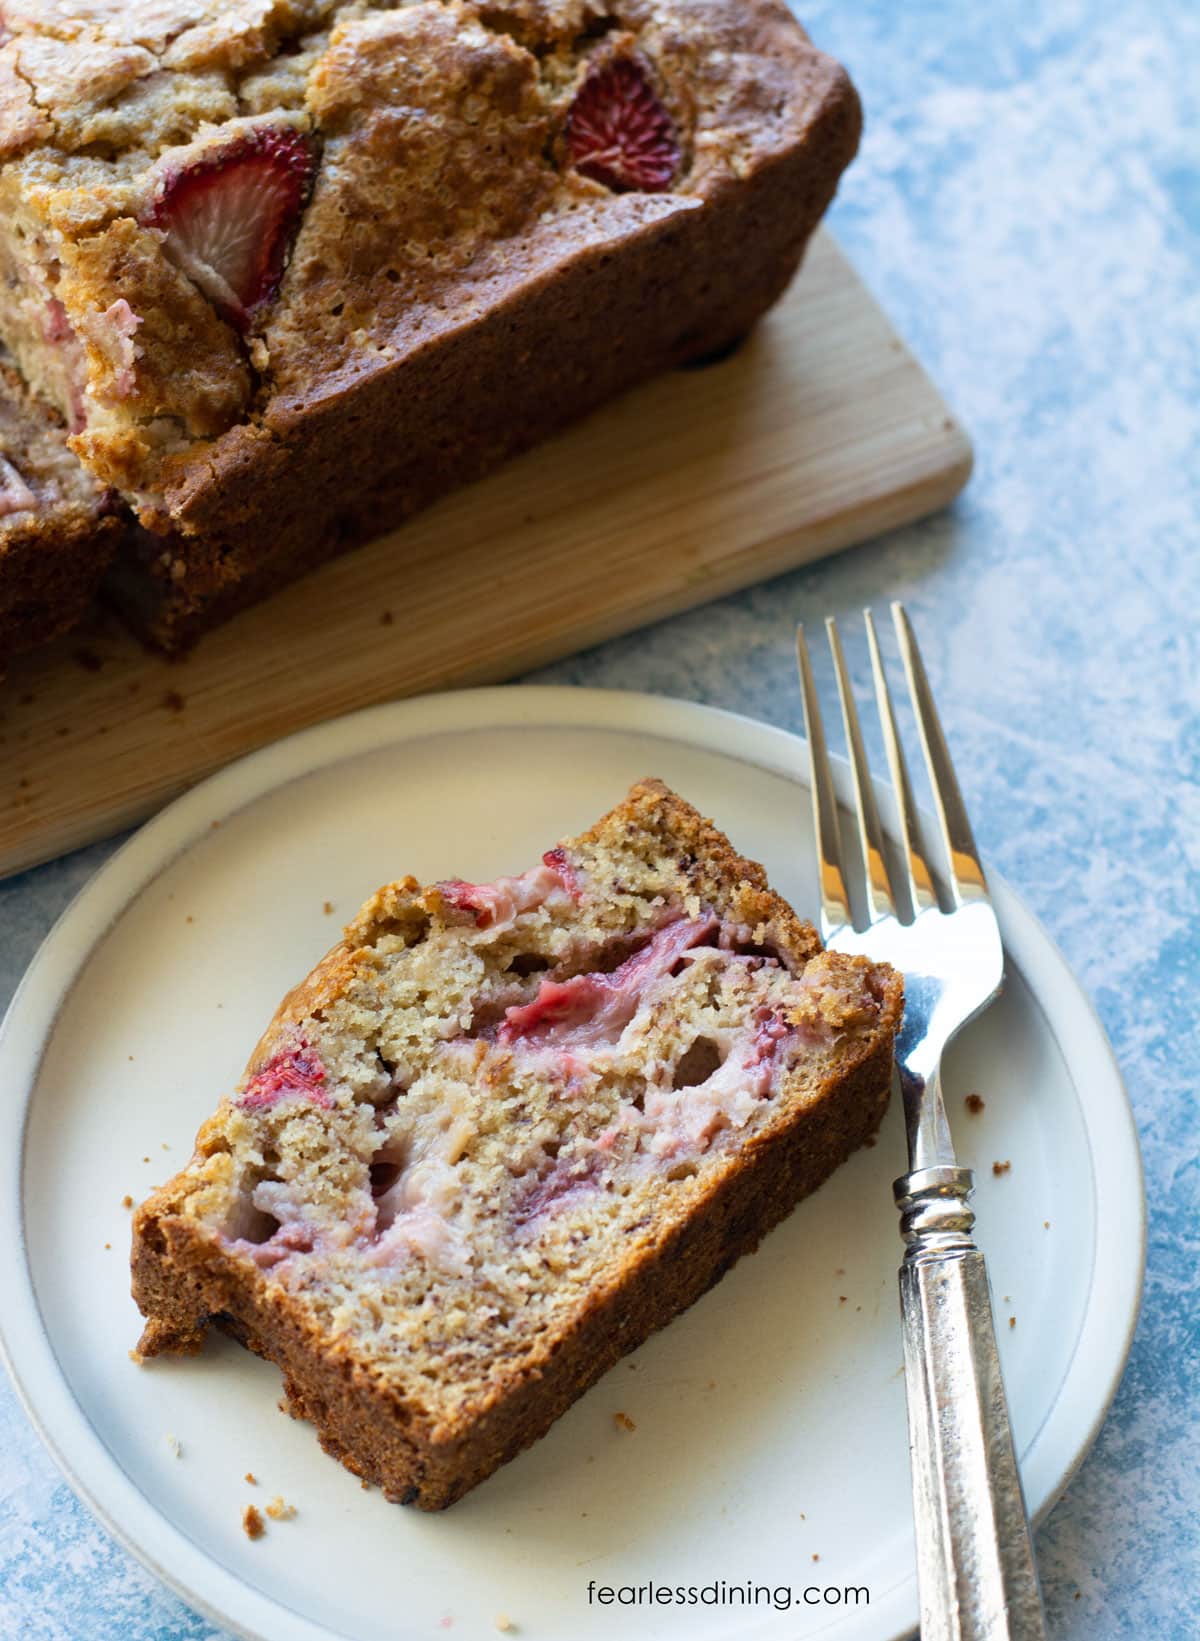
503 1132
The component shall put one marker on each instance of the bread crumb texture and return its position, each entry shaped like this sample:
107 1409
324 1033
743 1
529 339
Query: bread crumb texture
493 1108
252 1522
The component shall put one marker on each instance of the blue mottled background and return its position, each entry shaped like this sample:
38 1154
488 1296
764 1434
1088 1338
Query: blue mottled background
1027 207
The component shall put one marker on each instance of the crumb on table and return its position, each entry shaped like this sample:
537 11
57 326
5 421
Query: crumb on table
252 1522
974 1104
999 1168
173 701
279 1511
623 1421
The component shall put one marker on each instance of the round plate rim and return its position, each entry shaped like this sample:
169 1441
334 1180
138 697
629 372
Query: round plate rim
1110 1318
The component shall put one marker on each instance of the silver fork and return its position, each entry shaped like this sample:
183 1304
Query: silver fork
975 1564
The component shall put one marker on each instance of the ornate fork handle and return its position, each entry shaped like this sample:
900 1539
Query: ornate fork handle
977 1574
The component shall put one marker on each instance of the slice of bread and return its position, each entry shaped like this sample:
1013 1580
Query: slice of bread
503 1132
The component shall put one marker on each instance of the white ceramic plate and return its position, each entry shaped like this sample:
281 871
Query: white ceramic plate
770 1438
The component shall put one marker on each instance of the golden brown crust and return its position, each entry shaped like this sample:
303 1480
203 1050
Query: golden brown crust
720 875
426 330
463 365
183 1278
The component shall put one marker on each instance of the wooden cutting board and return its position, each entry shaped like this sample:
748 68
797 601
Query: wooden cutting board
820 431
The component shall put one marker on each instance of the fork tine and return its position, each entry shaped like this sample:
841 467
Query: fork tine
916 869
966 874
835 902
870 837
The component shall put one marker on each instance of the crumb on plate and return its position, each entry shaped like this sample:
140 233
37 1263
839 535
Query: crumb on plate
252 1522
279 1511
974 1104
999 1168
623 1421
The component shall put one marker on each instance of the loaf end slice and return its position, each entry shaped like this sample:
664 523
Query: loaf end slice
503 1132
58 527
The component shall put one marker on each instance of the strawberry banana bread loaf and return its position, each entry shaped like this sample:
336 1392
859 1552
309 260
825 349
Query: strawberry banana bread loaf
504 1131
289 270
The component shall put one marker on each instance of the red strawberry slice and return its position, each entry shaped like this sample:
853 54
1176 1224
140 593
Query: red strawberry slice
618 132
297 1070
230 217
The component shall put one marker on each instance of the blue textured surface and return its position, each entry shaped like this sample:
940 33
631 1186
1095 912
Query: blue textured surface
1027 207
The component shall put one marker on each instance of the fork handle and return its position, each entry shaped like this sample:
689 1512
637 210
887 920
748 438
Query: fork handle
975 1564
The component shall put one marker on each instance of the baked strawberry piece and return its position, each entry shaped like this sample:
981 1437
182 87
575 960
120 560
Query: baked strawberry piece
504 1131
619 133
229 216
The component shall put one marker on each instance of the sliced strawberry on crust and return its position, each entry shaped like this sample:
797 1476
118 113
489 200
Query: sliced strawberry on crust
230 217
618 132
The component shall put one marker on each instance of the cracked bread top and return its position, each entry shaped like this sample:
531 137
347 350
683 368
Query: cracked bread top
215 219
